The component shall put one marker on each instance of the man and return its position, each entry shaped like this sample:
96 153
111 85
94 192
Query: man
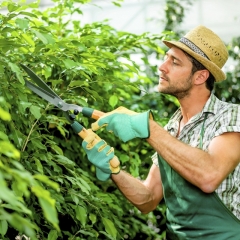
196 168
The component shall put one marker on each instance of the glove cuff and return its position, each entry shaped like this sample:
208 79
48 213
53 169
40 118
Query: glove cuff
102 176
140 123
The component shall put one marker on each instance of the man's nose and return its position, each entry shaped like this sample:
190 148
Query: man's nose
163 67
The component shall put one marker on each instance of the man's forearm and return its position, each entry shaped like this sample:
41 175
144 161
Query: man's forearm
135 191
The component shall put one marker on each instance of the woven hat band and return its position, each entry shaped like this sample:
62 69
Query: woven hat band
193 47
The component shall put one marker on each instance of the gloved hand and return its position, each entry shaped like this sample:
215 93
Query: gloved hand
125 124
101 155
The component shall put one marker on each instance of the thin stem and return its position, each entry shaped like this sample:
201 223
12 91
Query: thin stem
27 139
31 130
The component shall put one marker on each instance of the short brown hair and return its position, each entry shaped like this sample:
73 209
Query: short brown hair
196 66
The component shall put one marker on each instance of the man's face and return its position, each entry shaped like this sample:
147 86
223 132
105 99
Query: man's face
175 74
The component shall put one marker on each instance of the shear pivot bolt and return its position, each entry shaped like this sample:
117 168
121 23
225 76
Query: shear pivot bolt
76 112
60 105
72 117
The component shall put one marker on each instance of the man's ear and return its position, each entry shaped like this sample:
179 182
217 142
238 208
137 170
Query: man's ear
201 76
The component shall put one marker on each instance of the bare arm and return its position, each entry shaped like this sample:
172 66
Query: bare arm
145 195
205 170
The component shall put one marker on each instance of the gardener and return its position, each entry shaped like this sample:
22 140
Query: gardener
196 167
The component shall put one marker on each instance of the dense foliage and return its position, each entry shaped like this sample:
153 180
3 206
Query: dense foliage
47 184
48 188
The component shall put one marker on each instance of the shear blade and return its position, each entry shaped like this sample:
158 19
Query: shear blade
53 99
41 84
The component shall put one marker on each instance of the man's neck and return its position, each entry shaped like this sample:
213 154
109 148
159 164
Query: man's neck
192 105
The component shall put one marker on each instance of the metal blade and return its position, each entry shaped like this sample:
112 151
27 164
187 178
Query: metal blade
52 98
38 81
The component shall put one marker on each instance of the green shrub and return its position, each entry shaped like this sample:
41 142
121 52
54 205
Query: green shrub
48 187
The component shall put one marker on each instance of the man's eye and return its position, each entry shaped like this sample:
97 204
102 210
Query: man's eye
175 62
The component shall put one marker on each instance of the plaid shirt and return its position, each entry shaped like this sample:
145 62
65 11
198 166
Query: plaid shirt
222 117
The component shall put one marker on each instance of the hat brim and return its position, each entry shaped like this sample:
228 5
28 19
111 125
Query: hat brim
218 74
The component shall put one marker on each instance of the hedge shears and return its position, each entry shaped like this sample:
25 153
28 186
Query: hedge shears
42 90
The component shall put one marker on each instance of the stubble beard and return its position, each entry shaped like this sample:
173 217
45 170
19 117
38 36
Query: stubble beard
178 91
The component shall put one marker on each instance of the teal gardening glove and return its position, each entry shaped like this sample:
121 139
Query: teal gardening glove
125 124
101 155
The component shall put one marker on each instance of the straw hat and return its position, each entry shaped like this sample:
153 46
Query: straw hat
206 47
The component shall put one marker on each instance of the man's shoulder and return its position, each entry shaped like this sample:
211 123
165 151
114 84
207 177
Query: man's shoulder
229 107
219 106
225 118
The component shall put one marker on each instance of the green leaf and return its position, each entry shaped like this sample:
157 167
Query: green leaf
116 4
8 43
3 136
78 83
1 70
49 38
47 71
70 63
48 205
65 161
109 55
8 196
39 165
38 144
36 111
46 180
94 94
133 69
28 13
84 186
62 131
14 67
75 199
52 235
22 23
23 174
19 188
91 232
4 115
22 224
124 158
109 227
79 183
3 227
81 47
9 150
57 149
93 218
41 36
28 39
25 105
12 7
81 214
113 100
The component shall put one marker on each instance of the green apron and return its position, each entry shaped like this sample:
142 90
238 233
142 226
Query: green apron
193 214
